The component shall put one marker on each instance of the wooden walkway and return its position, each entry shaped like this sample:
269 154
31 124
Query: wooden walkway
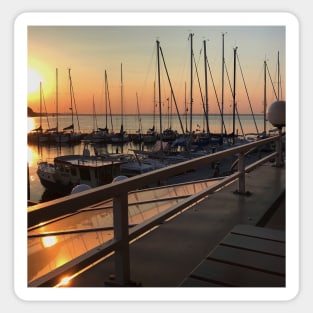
248 256
166 256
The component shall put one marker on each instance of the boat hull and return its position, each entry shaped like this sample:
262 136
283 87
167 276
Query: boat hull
55 187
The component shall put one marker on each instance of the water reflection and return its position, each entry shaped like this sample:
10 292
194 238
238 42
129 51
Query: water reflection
45 152
80 232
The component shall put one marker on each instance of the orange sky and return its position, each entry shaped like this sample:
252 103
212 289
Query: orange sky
90 50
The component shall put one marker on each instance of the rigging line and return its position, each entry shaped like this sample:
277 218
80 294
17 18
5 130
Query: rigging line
201 94
139 116
44 103
73 96
94 113
236 108
144 87
218 103
183 68
109 101
272 83
204 102
172 92
256 127
75 109
206 87
239 120
279 80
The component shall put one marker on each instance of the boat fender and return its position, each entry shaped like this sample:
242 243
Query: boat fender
119 178
80 188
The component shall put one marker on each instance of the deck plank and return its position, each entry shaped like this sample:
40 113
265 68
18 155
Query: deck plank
249 259
248 256
229 275
254 244
261 232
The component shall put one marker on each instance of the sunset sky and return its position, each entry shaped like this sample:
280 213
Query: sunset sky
89 51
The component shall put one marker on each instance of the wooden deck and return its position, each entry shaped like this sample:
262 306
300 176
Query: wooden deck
248 256
170 254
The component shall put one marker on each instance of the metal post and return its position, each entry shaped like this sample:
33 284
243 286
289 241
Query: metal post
279 148
120 222
241 169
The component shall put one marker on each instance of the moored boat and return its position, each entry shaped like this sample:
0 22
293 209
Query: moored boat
68 171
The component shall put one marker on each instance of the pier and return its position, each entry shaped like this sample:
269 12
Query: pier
167 249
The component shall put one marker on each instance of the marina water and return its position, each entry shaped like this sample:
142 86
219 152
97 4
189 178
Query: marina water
246 124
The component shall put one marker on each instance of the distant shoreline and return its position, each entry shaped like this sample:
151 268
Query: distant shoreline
35 114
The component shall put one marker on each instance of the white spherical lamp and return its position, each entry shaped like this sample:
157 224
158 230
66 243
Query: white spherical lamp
277 113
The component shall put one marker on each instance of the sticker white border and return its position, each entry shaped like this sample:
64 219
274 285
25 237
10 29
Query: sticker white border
20 155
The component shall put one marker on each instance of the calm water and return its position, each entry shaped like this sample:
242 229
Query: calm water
86 123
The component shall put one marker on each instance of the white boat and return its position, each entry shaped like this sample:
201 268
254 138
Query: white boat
140 164
68 171
134 168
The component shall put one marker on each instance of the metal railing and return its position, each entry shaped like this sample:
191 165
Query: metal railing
118 191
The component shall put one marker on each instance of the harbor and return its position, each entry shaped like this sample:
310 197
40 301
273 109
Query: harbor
165 257
255 200
45 152
175 199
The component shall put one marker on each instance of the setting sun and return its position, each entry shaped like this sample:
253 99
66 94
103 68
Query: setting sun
39 72
34 79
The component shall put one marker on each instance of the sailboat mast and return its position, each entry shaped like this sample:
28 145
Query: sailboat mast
265 102
222 104
206 88
122 106
40 117
172 92
278 80
57 99
154 105
71 95
191 80
159 91
234 94
95 126
168 112
139 116
186 109
106 98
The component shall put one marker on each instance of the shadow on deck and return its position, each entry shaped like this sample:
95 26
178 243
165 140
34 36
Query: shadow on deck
167 255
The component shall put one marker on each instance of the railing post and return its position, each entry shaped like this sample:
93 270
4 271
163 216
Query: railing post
120 223
279 148
241 170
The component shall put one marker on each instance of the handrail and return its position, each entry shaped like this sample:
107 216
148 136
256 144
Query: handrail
119 191
68 204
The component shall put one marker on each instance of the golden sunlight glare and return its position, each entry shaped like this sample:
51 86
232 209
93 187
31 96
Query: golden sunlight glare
49 241
34 79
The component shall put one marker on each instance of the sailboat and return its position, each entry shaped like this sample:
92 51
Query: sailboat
73 136
103 134
59 136
151 135
97 135
68 134
122 136
38 134
138 137
277 94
